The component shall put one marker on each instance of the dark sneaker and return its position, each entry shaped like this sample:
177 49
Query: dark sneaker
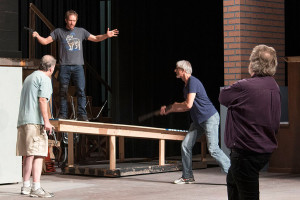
60 116
41 193
82 118
184 181
25 190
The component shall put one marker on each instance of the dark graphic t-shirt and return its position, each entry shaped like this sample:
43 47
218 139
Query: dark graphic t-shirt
70 45
202 108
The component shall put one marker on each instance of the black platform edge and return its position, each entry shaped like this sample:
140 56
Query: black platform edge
150 168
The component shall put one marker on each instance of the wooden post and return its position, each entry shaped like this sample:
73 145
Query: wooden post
162 152
121 149
112 152
53 49
70 150
31 40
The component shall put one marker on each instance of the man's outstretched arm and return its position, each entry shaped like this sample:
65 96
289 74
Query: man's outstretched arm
42 40
99 38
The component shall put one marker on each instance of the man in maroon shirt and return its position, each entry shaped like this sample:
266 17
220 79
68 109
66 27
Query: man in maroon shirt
253 118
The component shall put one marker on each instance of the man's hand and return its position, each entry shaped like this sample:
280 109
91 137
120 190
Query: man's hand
35 34
48 127
113 33
163 110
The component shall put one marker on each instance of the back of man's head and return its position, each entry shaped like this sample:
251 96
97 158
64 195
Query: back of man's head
47 62
263 60
185 65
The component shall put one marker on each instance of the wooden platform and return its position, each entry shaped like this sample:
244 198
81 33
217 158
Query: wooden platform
122 167
129 168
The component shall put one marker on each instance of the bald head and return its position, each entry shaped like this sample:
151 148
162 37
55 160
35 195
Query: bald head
47 62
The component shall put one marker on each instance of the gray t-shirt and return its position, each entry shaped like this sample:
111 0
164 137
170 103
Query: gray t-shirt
70 45
35 85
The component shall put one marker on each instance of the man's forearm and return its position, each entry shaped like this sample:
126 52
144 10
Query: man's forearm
101 37
44 109
41 40
179 107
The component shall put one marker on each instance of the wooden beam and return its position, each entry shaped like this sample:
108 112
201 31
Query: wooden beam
112 152
70 150
41 16
31 40
117 130
121 149
162 144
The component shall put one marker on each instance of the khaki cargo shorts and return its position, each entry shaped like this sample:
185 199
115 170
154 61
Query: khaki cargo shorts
32 140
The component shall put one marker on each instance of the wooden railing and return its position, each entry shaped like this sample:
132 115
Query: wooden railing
33 12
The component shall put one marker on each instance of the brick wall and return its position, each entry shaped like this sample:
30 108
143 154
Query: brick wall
248 23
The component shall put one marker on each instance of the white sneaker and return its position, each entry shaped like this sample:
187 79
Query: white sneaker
184 181
25 190
41 193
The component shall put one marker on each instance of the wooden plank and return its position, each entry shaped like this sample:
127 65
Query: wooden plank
162 152
117 126
112 152
292 59
117 130
70 150
121 149
20 62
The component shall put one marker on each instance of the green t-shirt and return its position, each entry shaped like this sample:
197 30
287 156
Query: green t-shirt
35 85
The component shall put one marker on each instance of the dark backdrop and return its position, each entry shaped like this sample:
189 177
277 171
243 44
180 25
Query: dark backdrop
154 35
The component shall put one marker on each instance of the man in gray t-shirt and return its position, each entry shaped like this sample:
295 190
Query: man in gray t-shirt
71 60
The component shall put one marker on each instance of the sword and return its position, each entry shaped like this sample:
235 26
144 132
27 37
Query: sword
29 29
152 114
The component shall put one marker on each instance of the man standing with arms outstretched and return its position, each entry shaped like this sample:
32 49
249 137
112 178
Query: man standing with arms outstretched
71 60
33 122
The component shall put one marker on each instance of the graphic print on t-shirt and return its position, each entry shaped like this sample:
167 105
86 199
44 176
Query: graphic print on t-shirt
73 43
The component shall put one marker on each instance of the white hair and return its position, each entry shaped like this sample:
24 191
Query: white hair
185 65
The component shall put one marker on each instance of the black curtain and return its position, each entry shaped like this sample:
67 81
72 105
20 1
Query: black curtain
154 35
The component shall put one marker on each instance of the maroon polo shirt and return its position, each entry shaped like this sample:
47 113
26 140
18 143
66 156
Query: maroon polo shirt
253 116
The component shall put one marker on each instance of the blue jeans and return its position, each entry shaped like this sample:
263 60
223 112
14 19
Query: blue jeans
75 72
243 175
210 128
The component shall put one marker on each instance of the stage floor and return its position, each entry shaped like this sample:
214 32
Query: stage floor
210 185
